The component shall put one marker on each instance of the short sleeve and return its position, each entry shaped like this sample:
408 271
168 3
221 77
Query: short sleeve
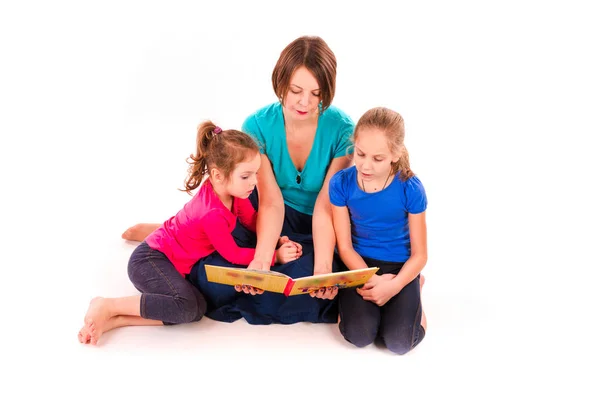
338 195
344 146
416 198
250 126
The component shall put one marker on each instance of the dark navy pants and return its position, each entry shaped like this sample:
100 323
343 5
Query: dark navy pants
225 304
397 323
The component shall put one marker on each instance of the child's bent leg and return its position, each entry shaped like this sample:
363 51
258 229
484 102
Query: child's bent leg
359 319
166 295
166 298
401 317
139 232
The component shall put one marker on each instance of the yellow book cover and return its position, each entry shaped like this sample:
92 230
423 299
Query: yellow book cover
273 281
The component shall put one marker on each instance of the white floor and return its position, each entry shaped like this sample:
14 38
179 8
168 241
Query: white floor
99 106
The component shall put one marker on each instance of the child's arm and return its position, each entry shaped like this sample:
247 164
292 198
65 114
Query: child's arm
418 251
341 224
219 235
381 292
247 214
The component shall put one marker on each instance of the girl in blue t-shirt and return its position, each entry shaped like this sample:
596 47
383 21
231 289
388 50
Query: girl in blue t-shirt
379 219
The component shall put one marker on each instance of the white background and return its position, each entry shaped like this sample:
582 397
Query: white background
99 102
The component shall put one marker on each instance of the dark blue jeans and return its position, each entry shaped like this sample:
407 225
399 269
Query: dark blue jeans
166 295
397 323
225 304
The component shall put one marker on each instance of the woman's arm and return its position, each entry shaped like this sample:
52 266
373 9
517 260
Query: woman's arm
270 216
341 224
322 223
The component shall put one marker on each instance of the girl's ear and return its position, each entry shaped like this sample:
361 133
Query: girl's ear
395 159
216 175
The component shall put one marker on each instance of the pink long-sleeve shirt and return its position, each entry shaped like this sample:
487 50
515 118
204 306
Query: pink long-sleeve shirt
203 226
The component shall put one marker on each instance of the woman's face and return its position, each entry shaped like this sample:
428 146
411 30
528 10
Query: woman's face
303 97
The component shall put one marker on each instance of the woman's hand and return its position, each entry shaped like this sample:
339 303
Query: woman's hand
256 265
248 289
327 293
260 265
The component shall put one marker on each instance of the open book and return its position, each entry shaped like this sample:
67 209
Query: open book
273 281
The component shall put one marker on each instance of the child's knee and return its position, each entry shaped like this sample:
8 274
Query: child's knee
358 335
398 344
191 310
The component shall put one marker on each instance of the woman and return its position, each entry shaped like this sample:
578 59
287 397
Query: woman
304 141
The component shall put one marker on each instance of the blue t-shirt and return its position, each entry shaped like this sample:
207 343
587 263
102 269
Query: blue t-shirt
379 220
332 140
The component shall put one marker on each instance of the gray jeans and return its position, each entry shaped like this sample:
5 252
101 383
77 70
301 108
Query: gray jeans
166 295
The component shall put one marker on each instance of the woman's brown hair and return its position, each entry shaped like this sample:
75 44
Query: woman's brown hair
313 53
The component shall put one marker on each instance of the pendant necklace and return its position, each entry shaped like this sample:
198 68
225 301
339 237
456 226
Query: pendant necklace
385 183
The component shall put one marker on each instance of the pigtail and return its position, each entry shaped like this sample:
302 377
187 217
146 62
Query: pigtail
200 161
216 148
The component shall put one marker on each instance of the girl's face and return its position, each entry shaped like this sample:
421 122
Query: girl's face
372 155
242 181
302 99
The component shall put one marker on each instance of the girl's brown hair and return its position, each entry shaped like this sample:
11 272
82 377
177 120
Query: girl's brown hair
392 124
313 53
217 149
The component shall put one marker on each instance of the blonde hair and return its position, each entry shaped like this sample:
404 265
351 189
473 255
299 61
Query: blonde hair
391 124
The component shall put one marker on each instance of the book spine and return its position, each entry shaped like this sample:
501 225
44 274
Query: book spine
288 287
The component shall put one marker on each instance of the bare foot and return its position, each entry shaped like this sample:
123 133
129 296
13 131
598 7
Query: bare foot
95 320
139 232
423 318
84 336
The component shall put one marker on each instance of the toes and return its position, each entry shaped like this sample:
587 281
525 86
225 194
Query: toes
94 335
83 336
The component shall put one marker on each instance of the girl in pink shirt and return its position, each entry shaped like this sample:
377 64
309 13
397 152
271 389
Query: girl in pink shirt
159 266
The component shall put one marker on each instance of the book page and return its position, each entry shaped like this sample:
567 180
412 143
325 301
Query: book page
271 281
340 279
